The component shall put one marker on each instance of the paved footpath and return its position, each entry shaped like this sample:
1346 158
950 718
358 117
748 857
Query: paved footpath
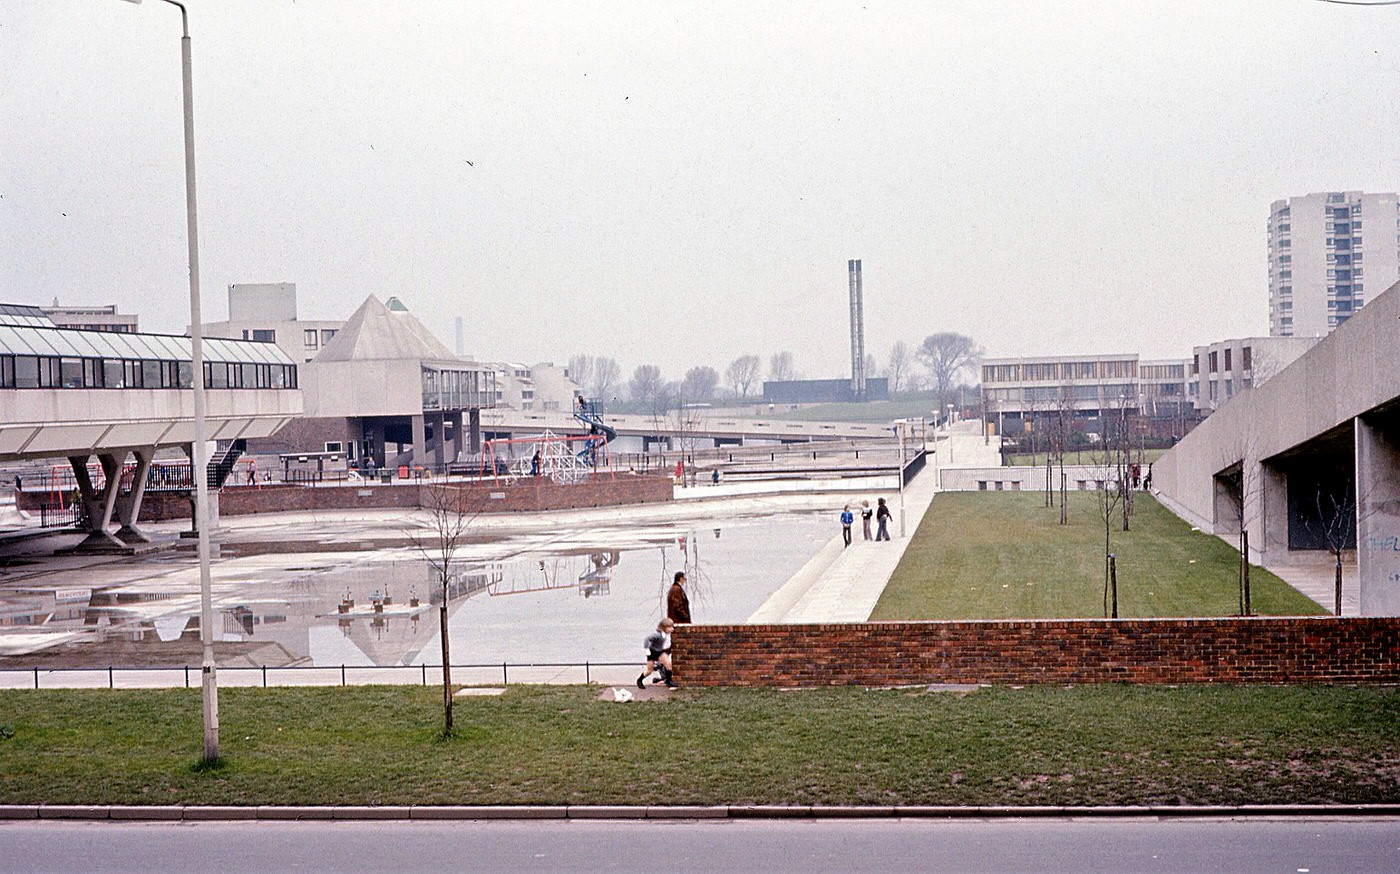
841 584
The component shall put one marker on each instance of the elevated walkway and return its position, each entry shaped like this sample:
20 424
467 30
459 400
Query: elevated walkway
843 584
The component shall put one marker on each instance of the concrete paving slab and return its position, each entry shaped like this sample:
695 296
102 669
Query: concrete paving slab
72 811
279 812
688 811
600 811
372 812
146 812
219 813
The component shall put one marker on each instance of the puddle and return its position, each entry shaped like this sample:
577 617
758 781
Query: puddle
552 596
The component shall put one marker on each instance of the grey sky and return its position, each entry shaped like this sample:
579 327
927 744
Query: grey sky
680 183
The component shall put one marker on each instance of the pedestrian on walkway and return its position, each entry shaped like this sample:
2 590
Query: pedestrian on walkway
865 515
847 518
658 647
882 515
677 602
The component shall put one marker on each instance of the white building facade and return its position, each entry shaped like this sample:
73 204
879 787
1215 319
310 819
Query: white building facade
1221 370
1326 251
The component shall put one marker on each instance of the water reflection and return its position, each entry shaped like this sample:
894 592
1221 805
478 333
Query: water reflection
565 596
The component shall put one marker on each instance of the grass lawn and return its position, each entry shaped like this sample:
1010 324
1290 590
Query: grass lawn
1112 744
1004 555
1077 456
870 411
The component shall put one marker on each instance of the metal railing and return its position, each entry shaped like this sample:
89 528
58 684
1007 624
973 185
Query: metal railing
314 675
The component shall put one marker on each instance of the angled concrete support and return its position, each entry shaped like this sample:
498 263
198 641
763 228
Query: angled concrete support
1377 519
99 506
129 505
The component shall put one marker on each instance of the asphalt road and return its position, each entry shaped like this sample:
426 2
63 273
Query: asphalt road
1293 845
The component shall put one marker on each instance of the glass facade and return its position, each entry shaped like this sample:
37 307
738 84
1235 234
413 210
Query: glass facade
38 356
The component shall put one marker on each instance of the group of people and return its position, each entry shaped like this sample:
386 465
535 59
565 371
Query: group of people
881 515
658 643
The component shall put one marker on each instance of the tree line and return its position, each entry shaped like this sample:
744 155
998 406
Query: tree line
936 364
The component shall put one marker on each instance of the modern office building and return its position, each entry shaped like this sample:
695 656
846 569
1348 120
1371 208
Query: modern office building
1221 370
1325 252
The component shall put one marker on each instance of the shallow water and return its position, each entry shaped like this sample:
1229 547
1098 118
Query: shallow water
544 596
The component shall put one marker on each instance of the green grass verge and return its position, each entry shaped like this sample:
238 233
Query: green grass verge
1004 555
1086 745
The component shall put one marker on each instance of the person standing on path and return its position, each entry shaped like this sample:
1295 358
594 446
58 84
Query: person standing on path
677 603
865 514
882 514
847 518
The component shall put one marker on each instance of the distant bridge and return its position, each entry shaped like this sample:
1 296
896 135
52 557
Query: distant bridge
723 429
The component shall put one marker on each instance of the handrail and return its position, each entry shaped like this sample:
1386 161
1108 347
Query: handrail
339 673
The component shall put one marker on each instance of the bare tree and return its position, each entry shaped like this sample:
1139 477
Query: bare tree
646 384
1339 512
581 370
946 355
1240 476
780 366
700 383
606 374
898 364
451 511
742 373
1107 469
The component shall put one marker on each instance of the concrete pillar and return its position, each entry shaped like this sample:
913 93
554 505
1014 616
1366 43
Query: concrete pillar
457 435
420 440
439 438
99 507
129 505
475 419
1377 520
1272 541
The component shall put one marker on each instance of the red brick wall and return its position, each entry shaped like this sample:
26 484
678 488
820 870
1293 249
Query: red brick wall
527 494
1256 650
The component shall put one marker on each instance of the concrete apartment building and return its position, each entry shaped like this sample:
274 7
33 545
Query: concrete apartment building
1221 370
1326 251
267 312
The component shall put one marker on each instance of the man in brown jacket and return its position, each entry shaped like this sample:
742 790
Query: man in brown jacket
677 604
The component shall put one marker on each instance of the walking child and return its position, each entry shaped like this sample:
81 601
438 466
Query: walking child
658 647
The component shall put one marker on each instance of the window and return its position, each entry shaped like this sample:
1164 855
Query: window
1227 359
1246 357
26 370
1214 363
309 338
326 335
265 336
334 446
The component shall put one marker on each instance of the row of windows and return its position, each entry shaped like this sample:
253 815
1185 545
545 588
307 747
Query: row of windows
1048 395
312 338
31 371
1051 371
1213 359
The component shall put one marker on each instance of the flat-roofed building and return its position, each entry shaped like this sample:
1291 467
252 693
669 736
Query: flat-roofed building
1223 369
91 318
267 312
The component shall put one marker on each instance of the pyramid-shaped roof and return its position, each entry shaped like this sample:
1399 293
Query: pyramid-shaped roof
375 332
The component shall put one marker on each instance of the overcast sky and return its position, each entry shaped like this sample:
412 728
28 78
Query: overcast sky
678 183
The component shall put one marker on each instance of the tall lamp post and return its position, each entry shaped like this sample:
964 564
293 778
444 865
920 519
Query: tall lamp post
198 460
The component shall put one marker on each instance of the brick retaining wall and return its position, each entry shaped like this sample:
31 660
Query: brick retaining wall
521 495
1255 650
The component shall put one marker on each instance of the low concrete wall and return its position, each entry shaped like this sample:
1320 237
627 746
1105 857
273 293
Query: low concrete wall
1014 478
519 496
1255 650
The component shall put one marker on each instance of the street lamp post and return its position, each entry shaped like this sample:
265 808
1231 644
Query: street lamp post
198 461
903 426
